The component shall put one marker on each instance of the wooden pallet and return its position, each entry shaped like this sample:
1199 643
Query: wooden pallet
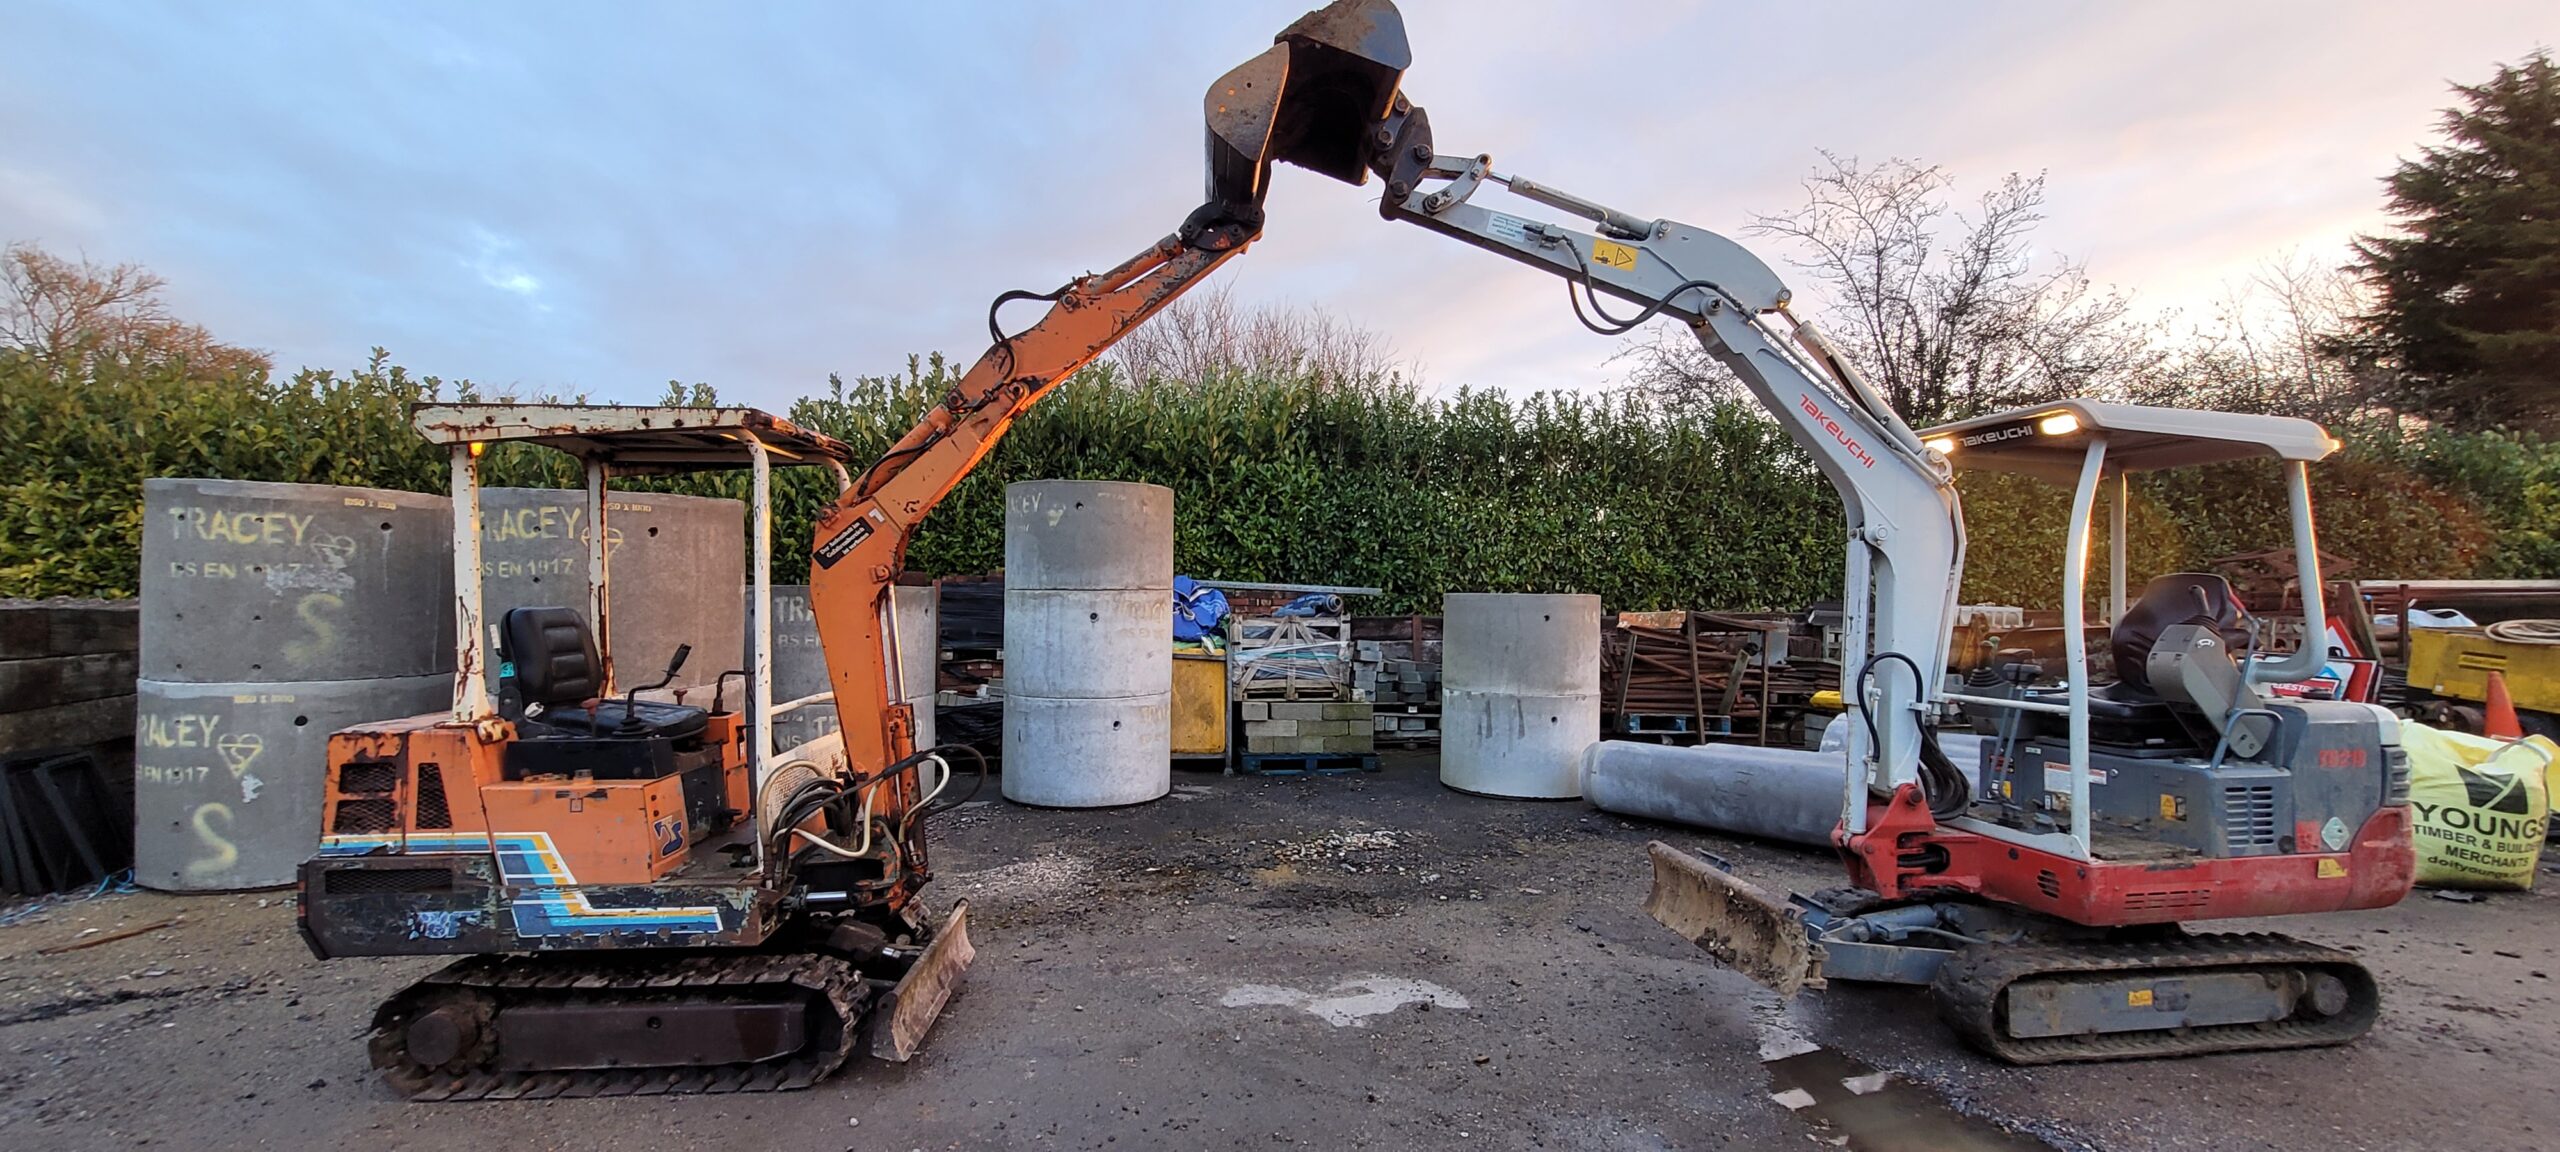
1266 669
1304 764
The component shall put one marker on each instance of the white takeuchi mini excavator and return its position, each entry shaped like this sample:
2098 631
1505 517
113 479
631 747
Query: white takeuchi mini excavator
2044 910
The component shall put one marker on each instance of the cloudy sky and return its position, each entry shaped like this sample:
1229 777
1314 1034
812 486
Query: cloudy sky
600 197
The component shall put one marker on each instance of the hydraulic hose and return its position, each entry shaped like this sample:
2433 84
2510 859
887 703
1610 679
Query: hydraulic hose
1942 784
2534 632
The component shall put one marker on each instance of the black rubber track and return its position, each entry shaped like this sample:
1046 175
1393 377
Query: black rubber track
490 983
1971 987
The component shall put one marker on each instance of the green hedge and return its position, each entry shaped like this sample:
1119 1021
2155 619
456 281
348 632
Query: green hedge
1288 480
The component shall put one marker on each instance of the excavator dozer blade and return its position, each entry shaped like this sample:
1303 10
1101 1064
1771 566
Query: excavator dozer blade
1743 927
1312 99
900 1021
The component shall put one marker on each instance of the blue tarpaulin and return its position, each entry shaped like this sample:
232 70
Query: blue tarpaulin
1311 604
1197 611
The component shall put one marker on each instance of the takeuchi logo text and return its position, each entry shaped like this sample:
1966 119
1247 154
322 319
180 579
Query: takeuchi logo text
1857 451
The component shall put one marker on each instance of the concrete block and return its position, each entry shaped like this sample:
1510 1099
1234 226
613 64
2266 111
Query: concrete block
1275 727
1257 710
1087 643
1296 710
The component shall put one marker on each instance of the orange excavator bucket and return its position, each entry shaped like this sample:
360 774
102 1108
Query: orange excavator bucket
1313 99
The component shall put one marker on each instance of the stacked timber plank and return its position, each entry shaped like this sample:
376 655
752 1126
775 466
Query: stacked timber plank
1684 677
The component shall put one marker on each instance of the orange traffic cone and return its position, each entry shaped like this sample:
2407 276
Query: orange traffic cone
2500 712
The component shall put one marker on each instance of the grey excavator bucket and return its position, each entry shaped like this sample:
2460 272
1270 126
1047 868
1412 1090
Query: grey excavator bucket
1312 99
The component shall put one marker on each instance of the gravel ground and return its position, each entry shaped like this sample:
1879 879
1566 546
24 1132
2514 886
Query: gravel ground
1367 962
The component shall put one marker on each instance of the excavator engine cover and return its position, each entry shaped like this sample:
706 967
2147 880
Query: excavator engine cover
1312 99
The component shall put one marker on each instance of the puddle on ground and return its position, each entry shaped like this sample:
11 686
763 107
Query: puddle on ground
1873 1111
1349 1003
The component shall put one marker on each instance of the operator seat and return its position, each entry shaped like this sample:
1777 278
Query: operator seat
2128 713
552 659
2199 598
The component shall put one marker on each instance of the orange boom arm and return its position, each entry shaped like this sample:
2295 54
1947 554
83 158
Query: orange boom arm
861 542
1316 98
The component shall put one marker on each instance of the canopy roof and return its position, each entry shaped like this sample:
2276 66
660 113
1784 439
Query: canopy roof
2048 440
633 439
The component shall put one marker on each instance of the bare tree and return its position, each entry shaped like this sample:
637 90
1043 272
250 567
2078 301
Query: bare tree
1947 312
2270 347
70 315
1205 335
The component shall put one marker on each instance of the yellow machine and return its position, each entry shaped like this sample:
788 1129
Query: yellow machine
2453 664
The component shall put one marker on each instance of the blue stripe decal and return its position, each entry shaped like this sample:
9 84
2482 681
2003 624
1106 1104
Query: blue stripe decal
551 904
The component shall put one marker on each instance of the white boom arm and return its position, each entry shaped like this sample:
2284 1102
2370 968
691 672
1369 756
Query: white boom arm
1906 529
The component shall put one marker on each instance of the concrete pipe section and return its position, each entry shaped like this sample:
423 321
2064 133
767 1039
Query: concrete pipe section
799 668
272 616
1784 794
917 608
1088 716
229 778
1520 692
800 665
247 582
1773 793
673 562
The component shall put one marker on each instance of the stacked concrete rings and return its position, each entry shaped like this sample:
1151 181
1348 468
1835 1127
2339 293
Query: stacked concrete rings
800 665
273 615
1519 692
1088 636
673 562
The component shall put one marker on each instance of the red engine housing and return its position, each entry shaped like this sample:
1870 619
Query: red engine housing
1905 854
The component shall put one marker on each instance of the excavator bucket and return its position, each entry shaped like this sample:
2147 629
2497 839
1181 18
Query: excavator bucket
1312 99
1737 923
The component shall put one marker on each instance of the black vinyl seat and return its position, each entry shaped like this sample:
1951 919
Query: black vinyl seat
553 657
2129 712
2199 598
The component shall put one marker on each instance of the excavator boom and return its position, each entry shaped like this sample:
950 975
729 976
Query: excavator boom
1308 100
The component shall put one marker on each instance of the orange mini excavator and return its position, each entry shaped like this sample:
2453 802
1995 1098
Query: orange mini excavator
648 897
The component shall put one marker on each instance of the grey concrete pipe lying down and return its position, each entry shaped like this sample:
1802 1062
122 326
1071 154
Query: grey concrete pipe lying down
1773 793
